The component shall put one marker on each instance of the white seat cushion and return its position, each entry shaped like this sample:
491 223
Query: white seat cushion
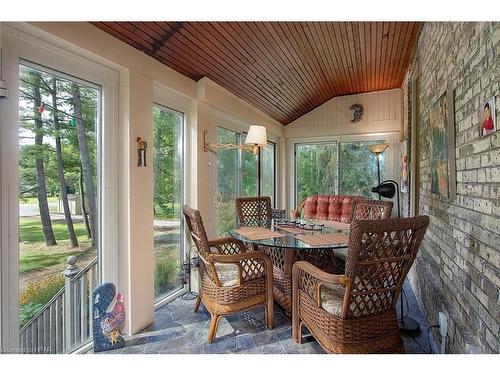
227 273
332 297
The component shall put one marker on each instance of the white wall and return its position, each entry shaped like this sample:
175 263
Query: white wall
382 113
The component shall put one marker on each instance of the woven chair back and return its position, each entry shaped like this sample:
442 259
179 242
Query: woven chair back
379 256
197 229
254 212
371 210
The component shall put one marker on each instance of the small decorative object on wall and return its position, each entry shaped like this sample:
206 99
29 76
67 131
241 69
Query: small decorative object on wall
141 152
487 117
357 112
405 167
107 326
442 146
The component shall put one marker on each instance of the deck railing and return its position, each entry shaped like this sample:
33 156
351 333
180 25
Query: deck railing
65 322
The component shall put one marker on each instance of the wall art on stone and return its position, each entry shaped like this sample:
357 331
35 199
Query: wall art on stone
442 146
487 116
405 167
107 326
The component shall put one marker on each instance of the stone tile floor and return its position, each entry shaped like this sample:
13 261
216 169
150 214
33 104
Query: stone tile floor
178 330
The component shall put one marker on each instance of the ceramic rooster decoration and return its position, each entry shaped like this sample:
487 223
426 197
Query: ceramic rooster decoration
106 325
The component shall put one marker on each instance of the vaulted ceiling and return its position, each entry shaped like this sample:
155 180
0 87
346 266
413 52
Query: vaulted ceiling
285 69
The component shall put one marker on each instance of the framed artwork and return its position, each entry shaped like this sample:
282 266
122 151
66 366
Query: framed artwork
442 146
405 167
487 118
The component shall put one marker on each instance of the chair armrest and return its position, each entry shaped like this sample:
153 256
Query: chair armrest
309 279
227 246
251 265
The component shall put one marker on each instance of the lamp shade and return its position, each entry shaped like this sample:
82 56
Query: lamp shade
385 189
256 136
379 148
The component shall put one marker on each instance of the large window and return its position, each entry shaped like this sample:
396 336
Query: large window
240 173
58 184
358 168
316 169
267 171
337 167
167 205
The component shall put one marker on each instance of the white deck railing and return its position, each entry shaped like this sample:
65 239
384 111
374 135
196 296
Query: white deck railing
65 322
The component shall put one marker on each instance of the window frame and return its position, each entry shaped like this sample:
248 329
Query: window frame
172 101
275 176
331 142
20 47
391 166
239 163
182 255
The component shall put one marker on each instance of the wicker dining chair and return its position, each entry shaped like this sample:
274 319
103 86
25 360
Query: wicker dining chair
371 210
253 211
232 279
356 312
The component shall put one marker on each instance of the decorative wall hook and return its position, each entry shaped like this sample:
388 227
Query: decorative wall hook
141 152
357 112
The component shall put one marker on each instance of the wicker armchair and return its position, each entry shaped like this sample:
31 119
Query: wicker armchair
371 210
356 312
232 279
253 212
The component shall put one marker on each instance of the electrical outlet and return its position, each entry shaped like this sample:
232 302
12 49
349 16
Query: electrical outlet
443 324
443 329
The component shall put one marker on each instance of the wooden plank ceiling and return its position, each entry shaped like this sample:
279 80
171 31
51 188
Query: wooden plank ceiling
286 69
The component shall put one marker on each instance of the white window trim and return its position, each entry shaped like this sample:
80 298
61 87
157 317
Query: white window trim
169 99
391 165
18 45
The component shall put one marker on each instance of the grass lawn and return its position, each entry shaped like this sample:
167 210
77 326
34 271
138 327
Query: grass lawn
30 230
37 260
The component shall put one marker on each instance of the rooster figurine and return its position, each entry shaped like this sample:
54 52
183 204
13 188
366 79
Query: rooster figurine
113 321
108 325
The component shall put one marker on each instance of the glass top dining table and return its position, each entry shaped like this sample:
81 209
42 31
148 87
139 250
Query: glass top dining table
292 240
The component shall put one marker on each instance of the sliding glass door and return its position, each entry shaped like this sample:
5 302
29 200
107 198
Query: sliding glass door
168 198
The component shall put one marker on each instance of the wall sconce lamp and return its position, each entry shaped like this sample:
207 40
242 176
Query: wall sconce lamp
141 152
256 137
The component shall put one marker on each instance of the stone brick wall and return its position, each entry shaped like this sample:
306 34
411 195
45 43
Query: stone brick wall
457 269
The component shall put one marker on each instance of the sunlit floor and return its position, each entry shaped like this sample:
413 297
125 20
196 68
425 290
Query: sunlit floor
178 330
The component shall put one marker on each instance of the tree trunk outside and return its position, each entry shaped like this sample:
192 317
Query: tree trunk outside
85 160
60 170
43 206
82 203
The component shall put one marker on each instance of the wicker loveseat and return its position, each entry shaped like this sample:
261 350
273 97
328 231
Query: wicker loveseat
327 207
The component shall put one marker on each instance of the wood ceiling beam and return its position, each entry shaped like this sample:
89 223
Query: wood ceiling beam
165 38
